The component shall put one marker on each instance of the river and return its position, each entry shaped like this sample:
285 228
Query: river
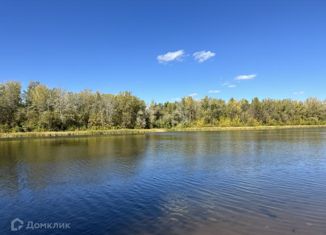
228 182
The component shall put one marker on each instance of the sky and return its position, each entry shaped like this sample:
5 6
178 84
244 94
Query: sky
163 50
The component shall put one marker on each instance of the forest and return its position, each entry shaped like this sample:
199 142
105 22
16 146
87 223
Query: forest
39 108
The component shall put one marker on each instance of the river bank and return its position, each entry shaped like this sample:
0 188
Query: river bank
51 134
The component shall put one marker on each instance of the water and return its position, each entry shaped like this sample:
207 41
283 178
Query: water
250 182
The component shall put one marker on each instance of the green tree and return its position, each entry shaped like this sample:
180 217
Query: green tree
10 102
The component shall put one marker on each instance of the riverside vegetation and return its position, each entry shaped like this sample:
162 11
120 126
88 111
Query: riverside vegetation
39 108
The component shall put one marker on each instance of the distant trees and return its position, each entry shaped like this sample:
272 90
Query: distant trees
41 108
129 111
10 102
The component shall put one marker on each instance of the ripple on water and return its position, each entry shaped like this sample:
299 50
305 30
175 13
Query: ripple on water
255 182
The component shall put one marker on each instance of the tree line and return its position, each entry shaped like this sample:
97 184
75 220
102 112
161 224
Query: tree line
39 108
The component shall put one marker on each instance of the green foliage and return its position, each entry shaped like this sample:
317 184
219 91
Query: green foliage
10 101
40 108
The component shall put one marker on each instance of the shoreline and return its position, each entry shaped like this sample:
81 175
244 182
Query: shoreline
86 133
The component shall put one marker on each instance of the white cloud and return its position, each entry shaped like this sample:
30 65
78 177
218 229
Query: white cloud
246 77
201 56
171 56
193 94
298 93
175 99
214 91
229 85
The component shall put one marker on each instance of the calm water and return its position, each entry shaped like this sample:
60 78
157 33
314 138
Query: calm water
252 182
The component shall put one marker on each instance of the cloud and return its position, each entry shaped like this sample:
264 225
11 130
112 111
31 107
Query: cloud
201 56
214 91
193 94
171 56
298 93
175 99
246 77
229 85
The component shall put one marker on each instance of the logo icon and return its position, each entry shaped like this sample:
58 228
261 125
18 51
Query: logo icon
16 224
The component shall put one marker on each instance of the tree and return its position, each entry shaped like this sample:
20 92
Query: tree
10 102
43 108
127 108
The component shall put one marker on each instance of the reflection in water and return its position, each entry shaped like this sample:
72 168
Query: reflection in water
55 161
249 182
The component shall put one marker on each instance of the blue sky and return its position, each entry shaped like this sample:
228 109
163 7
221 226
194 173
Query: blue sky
222 49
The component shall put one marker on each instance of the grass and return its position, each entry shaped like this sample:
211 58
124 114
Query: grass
238 128
49 134
45 134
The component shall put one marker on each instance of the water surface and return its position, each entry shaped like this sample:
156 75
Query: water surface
232 182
